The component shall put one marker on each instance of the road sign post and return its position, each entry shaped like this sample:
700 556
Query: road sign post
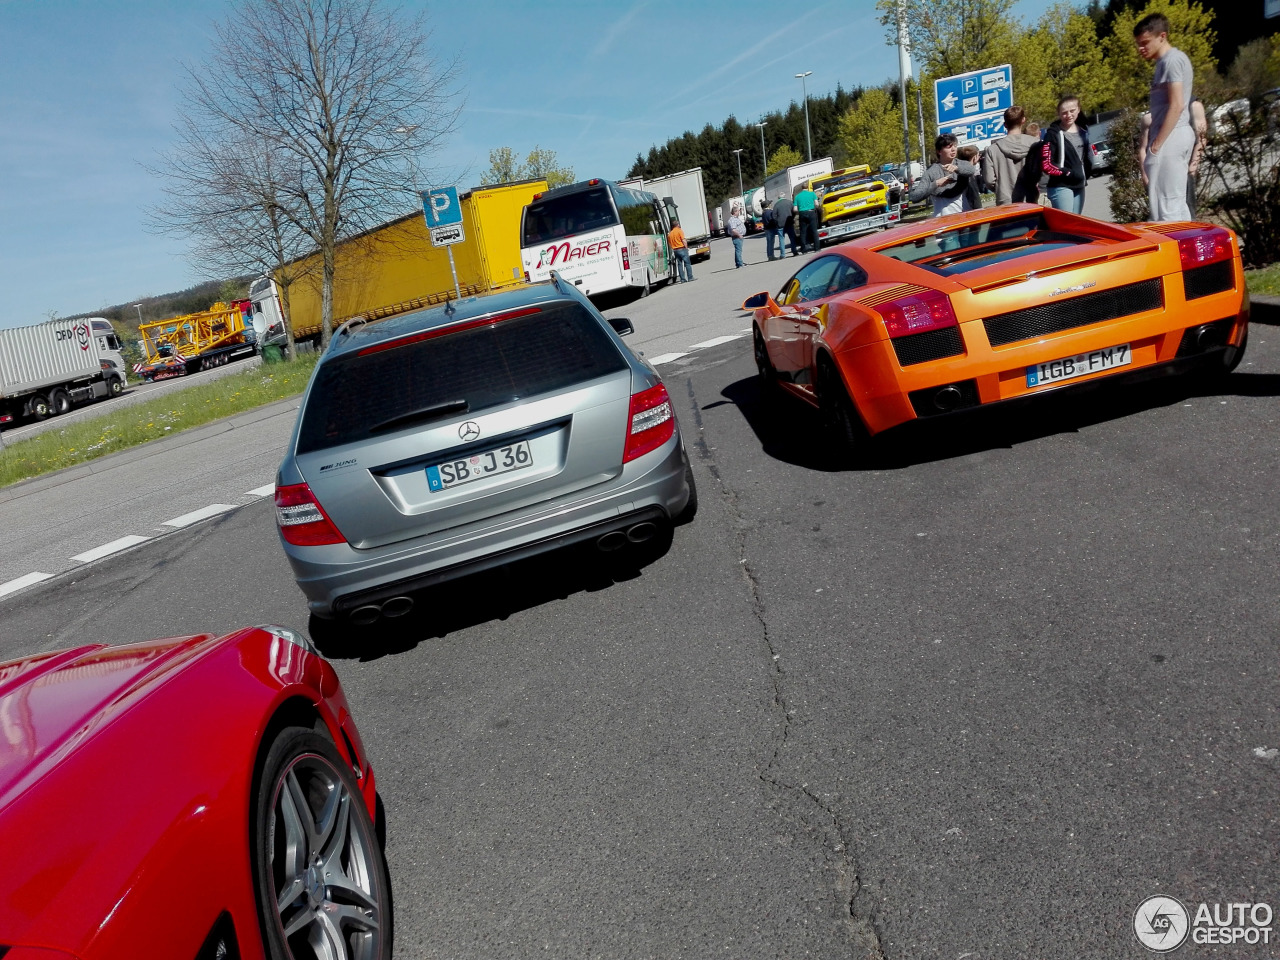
444 222
972 105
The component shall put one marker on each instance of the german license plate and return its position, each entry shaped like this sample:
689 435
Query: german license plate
477 466
1081 365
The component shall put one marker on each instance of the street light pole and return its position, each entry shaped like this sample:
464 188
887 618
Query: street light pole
741 193
138 307
803 86
764 157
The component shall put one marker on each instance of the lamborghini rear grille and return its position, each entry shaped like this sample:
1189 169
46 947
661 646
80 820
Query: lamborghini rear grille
1077 312
1212 278
930 345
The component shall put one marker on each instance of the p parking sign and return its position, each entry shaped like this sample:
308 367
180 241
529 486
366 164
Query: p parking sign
440 206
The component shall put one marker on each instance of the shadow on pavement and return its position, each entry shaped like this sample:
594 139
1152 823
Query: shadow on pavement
490 595
1265 311
791 431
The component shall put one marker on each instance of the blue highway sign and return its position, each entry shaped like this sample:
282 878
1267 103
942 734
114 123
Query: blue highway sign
980 130
440 206
968 96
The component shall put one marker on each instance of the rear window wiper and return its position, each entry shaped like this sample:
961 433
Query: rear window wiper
432 412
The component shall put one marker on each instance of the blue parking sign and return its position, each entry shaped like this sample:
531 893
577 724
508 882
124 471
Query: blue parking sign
967 96
440 206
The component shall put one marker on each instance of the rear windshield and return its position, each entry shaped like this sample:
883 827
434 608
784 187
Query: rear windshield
842 183
962 249
558 217
353 396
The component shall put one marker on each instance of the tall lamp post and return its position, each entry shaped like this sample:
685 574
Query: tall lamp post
738 154
138 307
805 87
764 157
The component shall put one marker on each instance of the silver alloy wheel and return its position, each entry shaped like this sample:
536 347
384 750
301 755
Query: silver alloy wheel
326 887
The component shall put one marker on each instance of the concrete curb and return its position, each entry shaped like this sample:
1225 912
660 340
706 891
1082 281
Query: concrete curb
155 448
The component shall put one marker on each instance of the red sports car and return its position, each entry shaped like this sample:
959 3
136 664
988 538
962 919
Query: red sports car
998 304
202 798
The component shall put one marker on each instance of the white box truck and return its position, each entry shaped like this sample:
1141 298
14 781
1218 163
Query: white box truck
48 367
685 192
784 182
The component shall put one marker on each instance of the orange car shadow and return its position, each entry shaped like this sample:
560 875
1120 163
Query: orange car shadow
791 431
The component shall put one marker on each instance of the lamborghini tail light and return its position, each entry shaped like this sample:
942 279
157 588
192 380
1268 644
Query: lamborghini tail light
650 422
302 520
917 313
1198 246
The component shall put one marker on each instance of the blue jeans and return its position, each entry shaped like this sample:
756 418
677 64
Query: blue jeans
737 252
771 236
684 264
1070 199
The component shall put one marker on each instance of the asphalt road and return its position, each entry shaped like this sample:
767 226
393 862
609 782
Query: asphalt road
976 698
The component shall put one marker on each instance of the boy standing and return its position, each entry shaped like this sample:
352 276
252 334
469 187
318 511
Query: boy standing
1171 137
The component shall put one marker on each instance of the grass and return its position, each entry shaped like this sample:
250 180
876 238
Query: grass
1264 280
162 417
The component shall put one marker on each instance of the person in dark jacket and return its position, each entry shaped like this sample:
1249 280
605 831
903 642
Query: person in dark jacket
1067 157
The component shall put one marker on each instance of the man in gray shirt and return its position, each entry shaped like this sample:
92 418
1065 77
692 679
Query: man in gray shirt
1171 137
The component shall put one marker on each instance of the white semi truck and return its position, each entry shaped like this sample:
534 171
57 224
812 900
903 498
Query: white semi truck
47 368
684 192
784 182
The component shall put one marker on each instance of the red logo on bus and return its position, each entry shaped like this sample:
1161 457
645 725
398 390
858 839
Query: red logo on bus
563 252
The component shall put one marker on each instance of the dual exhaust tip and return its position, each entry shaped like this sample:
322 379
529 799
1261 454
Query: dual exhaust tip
372 612
617 539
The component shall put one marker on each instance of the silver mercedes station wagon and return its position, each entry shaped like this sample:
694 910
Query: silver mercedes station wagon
458 438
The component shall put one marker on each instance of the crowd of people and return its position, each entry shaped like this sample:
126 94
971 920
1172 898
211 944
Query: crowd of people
1053 167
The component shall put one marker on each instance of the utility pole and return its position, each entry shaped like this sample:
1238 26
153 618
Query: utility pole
764 159
808 143
741 193
904 73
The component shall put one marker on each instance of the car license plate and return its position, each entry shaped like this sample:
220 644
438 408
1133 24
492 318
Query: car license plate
487 463
1082 364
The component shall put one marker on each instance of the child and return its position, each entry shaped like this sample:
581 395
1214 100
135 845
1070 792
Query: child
972 198
946 180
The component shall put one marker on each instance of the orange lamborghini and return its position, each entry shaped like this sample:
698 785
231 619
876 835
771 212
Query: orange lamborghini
998 304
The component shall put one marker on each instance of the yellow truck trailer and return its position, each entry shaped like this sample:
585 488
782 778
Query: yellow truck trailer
394 268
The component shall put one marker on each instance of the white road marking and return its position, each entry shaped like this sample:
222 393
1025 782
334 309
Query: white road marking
195 516
267 491
667 358
715 341
13 586
115 546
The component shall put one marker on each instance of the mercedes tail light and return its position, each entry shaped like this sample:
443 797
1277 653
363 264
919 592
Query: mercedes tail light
1200 245
917 313
650 423
302 520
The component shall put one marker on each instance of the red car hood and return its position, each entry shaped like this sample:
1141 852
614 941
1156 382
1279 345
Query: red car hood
50 702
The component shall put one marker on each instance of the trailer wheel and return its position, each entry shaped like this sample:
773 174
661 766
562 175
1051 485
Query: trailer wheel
59 401
39 407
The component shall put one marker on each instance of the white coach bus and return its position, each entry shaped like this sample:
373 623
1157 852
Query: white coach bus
597 235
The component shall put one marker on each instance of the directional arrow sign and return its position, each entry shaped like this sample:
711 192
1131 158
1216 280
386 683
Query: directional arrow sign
978 92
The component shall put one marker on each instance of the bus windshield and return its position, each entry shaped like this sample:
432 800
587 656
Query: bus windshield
555 218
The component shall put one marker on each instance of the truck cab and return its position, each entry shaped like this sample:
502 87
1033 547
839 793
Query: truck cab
109 347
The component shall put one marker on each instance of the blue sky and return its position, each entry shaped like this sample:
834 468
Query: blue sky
89 90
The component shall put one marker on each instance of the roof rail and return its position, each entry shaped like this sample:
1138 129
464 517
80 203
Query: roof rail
559 283
347 328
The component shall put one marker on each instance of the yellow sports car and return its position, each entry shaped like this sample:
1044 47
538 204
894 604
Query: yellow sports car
851 192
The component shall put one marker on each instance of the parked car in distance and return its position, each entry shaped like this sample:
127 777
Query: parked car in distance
463 437
199 797
1100 145
1222 117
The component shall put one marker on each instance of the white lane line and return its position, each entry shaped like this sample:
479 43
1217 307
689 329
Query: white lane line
715 341
747 329
666 358
115 546
195 516
13 586
267 491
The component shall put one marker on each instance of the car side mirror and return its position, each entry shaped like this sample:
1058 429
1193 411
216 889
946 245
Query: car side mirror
755 302
621 326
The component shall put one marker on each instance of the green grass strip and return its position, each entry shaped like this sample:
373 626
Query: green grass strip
1264 280
164 416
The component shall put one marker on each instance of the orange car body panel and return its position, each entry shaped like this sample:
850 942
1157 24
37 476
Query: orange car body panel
847 327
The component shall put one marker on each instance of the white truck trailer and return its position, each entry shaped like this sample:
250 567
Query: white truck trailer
48 367
784 182
685 192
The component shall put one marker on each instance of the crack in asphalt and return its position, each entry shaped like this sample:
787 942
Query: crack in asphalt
860 917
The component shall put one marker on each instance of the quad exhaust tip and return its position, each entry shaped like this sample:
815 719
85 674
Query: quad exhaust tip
372 612
617 539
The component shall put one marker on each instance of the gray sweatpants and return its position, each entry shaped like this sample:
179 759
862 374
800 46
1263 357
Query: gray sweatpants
1167 176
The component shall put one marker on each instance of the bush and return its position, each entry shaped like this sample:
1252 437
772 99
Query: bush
1244 189
1128 192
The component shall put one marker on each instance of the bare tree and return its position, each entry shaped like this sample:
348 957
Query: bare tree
327 107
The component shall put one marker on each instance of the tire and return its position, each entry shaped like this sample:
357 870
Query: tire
319 870
839 415
691 508
40 407
59 402
764 366
115 387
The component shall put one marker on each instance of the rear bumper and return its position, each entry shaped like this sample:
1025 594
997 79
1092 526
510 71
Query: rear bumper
339 578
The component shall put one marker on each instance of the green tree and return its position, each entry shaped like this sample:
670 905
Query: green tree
1058 56
785 156
542 164
949 38
1190 30
1256 68
503 167
871 131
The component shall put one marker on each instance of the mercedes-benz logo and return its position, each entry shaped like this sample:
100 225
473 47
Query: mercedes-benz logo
469 431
